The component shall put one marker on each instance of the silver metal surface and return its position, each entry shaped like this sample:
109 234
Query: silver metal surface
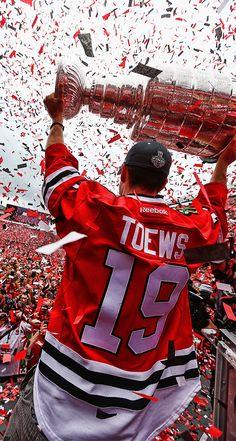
193 112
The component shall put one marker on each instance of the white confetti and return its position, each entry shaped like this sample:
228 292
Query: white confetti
52 247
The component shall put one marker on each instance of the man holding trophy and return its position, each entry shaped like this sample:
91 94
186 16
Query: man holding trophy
118 363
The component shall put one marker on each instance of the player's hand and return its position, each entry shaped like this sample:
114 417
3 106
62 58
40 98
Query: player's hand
229 154
54 104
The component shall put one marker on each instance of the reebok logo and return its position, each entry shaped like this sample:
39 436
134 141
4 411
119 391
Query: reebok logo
153 210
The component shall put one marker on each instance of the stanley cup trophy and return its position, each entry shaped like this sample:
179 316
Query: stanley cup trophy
192 112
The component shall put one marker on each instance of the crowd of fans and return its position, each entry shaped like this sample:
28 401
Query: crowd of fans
28 285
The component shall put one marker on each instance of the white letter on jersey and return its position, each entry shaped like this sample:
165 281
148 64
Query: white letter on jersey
139 231
180 245
166 244
128 221
148 240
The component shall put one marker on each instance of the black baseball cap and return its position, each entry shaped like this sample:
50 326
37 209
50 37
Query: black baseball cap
151 155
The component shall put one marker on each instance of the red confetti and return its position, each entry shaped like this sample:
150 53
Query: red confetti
32 213
213 431
114 138
12 316
34 22
20 355
41 49
28 2
222 23
229 312
76 34
200 401
2 22
12 54
148 397
9 210
42 165
5 346
122 64
106 16
106 33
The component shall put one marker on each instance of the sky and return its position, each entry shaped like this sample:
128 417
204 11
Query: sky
36 35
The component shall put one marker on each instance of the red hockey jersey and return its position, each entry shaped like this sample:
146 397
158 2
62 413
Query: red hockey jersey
118 362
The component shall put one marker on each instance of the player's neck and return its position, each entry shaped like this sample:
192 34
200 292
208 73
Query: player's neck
139 191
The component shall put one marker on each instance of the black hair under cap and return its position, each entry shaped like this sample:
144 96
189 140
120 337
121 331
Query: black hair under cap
149 154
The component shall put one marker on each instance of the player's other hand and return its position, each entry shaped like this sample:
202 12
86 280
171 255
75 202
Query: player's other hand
229 154
54 104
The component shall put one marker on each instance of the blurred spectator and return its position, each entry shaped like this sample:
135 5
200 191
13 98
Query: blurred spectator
12 340
225 272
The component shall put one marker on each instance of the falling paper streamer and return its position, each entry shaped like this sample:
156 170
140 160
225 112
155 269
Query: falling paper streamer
222 6
147 397
214 432
204 437
52 247
147 71
86 41
229 312
224 286
43 226
20 355
6 358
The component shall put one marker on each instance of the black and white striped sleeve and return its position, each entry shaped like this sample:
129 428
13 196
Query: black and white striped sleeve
61 174
55 179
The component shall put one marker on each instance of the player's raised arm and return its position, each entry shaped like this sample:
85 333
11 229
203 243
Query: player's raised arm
225 159
54 103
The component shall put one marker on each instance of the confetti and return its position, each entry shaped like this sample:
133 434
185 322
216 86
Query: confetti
147 397
224 286
52 247
20 355
28 2
6 358
229 312
213 431
147 71
86 41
